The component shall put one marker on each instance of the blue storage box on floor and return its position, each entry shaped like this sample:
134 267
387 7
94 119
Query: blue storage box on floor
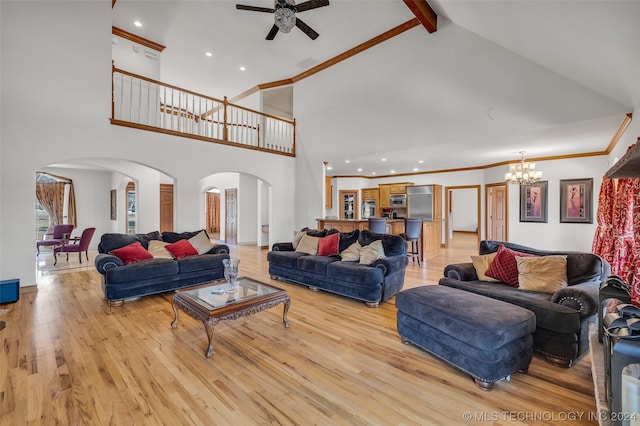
9 291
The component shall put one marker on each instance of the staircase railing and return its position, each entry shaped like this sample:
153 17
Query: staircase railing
144 103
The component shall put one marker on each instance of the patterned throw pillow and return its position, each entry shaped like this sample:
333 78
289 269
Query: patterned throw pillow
131 253
329 245
504 267
546 274
181 248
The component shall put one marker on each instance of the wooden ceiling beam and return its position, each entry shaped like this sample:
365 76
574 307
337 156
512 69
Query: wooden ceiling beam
425 14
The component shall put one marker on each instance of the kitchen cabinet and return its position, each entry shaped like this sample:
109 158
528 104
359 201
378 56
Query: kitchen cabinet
431 239
370 194
328 192
437 202
348 204
388 189
384 196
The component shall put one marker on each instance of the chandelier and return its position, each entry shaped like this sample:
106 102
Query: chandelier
285 18
522 173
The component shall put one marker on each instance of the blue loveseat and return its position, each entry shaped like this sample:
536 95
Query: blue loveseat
150 276
372 284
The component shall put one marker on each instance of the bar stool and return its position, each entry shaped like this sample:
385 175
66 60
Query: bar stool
378 225
412 230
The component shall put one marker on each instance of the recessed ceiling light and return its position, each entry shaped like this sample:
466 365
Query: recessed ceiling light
421 161
373 173
359 169
329 168
242 68
347 161
415 169
209 54
392 171
137 23
384 159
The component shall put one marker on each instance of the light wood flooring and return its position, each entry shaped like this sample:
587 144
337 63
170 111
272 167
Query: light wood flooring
68 359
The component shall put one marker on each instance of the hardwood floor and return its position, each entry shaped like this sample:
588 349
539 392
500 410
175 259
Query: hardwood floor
68 359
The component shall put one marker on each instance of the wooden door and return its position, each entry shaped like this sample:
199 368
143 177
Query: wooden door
213 212
166 207
497 212
231 212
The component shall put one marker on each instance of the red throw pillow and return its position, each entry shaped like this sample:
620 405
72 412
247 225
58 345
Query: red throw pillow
181 248
131 253
329 246
504 267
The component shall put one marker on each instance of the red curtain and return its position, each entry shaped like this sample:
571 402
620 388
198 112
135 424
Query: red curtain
618 217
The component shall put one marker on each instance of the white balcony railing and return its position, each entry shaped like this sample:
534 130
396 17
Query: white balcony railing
148 104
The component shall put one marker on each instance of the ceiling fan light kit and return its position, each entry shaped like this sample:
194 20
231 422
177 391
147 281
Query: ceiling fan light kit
285 18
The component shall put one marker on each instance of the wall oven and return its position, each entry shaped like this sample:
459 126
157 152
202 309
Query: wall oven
368 209
398 200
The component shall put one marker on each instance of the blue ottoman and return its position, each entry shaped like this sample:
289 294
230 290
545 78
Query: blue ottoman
486 338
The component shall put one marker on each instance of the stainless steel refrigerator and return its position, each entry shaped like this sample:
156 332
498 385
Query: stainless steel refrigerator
420 202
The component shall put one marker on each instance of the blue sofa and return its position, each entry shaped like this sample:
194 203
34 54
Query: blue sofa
562 318
370 283
150 276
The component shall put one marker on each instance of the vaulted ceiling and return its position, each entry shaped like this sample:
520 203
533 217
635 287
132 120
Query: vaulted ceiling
549 77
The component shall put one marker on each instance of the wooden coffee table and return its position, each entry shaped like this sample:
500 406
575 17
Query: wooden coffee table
210 303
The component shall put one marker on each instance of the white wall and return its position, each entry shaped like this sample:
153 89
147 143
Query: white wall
75 91
464 215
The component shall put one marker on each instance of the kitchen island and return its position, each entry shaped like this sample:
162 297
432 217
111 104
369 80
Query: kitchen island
430 240
394 226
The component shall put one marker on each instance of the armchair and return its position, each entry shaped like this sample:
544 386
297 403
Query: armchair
79 245
58 236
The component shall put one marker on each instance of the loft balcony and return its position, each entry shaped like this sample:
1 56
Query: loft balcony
143 103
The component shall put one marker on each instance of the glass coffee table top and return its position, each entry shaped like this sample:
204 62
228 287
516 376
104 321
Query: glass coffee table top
214 296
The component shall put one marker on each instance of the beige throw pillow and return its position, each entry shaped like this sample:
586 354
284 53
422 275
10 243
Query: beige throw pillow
297 236
481 264
351 253
201 242
371 253
546 274
308 245
158 250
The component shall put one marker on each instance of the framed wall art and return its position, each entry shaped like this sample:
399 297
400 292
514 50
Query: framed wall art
533 202
575 201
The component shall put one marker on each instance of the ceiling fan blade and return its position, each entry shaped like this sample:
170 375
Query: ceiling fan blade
254 8
272 33
306 29
311 4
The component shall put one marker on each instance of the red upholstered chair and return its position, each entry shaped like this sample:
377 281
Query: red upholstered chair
75 245
60 233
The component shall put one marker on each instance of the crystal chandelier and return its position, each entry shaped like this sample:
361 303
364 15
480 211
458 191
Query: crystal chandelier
522 173
285 18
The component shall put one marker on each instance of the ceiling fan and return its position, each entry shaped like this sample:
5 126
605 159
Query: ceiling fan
284 12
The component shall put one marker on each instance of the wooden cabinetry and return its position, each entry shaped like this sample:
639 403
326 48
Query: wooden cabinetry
399 188
370 194
342 225
348 204
397 227
328 192
388 189
437 202
431 238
